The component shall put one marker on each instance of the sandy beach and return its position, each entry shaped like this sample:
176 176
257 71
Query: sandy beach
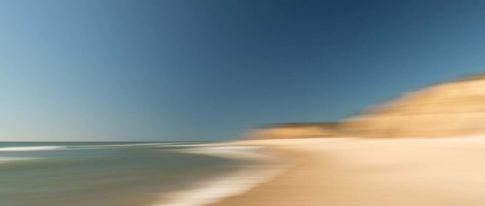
372 172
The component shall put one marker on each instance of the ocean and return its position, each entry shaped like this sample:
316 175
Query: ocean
124 173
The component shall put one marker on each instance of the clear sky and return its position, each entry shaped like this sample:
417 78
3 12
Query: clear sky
209 70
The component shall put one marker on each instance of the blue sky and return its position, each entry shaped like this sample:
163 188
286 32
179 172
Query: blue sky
209 70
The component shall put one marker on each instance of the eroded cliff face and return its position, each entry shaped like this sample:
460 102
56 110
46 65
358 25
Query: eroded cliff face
448 109
294 130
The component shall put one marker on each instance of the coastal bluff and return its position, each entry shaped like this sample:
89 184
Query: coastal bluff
294 130
452 108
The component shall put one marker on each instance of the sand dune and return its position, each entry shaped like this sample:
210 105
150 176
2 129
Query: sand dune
373 172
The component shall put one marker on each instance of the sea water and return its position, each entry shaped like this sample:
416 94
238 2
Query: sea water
115 173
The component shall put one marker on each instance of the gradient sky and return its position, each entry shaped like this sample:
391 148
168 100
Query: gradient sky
209 70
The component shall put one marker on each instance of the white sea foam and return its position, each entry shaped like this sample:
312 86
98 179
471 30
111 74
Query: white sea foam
231 152
214 190
123 145
31 148
16 159
136 144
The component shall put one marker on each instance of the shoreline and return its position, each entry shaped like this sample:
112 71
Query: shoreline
372 172
263 166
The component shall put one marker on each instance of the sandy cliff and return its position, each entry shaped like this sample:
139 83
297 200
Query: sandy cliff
446 109
294 130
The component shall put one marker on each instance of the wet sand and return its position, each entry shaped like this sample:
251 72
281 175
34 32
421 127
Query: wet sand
372 172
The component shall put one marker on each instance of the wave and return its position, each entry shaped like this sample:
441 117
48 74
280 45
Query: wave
16 159
122 146
31 148
88 147
132 144
215 189
229 151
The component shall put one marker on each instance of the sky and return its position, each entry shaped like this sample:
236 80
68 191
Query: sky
102 70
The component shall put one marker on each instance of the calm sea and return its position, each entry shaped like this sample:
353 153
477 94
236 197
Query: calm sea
106 173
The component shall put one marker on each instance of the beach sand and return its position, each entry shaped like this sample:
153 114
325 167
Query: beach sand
372 172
